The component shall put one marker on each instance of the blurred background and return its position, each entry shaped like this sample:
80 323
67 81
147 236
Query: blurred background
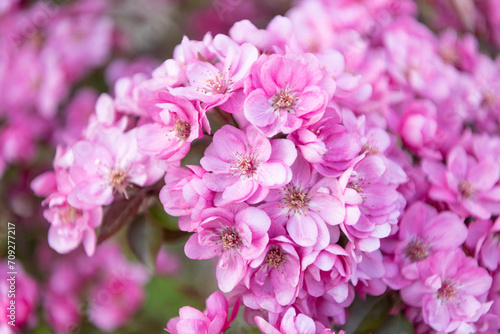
56 57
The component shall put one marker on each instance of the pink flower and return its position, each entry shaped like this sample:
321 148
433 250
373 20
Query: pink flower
448 291
71 226
285 93
238 236
369 270
328 146
466 185
112 286
277 37
372 203
82 36
8 5
71 223
186 196
327 272
424 232
325 309
273 279
108 165
293 323
486 242
492 318
420 130
177 122
117 293
18 139
413 62
167 263
215 84
245 166
78 113
19 296
62 311
213 320
488 88
306 205
459 52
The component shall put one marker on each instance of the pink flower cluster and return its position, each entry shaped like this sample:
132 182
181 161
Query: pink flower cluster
46 49
114 285
20 294
345 159
478 17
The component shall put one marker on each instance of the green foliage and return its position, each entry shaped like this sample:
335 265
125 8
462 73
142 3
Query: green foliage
145 239
373 316
395 324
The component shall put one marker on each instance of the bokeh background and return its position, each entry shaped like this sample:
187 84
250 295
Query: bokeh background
56 57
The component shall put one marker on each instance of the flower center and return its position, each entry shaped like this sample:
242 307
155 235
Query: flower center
230 238
246 165
219 85
118 179
357 184
417 250
447 291
449 55
182 129
70 215
465 189
489 100
296 199
275 256
370 149
285 100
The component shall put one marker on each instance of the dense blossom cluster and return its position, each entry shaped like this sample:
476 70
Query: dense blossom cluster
478 17
107 289
340 159
38 52
115 290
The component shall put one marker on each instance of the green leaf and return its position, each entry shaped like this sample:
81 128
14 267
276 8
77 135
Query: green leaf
169 224
396 324
166 296
145 239
42 329
254 330
365 316
158 214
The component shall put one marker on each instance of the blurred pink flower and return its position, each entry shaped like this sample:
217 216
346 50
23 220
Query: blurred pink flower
117 292
468 186
423 232
213 320
293 323
19 296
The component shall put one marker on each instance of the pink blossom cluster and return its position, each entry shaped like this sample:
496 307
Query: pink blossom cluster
478 17
114 285
46 50
216 319
90 173
50 52
339 159
19 297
